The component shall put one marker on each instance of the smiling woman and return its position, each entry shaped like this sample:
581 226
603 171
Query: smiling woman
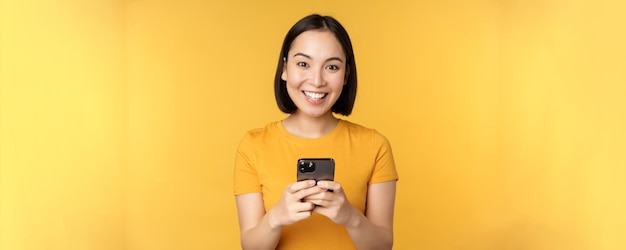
314 73
316 76
337 57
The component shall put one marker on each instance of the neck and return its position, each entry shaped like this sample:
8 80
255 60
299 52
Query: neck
310 127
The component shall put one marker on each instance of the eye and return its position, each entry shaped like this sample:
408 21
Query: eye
332 67
302 64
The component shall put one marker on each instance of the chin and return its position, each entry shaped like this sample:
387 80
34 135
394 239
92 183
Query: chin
317 114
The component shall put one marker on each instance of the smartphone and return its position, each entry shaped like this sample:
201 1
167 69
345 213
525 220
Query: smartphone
317 169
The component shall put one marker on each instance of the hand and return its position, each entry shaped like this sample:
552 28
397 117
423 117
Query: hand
333 205
292 208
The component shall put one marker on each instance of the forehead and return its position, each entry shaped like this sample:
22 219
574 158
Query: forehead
317 43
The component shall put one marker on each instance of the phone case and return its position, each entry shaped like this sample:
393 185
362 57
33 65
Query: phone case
316 169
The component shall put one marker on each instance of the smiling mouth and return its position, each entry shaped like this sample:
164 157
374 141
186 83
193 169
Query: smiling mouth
315 96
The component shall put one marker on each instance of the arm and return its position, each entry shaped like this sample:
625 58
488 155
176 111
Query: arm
255 229
261 230
374 230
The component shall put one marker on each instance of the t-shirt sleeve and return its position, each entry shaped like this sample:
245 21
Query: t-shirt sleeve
384 167
246 179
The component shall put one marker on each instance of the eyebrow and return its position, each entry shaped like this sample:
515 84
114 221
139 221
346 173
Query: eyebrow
309 57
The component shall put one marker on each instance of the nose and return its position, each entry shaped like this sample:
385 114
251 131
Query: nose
317 79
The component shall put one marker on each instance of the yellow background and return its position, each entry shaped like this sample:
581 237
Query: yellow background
119 119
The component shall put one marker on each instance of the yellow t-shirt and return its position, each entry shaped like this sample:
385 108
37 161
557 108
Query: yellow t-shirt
266 162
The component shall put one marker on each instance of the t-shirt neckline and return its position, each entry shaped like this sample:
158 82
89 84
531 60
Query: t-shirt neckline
341 124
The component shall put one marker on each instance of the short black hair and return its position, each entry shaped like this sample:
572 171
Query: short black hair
344 104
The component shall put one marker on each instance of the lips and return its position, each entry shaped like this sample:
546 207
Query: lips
315 95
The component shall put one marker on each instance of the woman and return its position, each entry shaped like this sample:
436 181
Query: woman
315 77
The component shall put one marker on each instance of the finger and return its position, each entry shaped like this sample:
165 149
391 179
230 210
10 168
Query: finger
331 185
322 198
297 186
306 206
318 202
302 207
307 192
303 215
321 210
316 196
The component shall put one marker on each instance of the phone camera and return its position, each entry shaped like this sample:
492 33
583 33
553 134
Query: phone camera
306 166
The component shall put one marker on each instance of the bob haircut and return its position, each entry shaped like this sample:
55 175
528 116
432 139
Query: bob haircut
344 104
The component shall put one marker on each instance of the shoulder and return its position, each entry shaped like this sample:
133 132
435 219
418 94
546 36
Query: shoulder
364 134
258 135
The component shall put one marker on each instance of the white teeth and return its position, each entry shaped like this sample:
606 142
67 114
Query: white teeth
314 96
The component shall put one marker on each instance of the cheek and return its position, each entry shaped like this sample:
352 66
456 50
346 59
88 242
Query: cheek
337 79
294 78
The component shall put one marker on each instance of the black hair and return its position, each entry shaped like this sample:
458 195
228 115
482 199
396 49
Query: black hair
344 104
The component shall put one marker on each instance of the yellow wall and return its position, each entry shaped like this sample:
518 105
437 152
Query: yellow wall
119 119
62 125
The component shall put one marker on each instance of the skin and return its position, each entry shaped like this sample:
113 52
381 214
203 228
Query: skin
316 64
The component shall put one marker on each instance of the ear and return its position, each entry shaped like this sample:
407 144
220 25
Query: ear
284 75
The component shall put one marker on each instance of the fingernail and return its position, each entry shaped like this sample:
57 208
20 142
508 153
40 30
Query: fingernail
311 183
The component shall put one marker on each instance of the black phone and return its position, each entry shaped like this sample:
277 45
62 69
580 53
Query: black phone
317 169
